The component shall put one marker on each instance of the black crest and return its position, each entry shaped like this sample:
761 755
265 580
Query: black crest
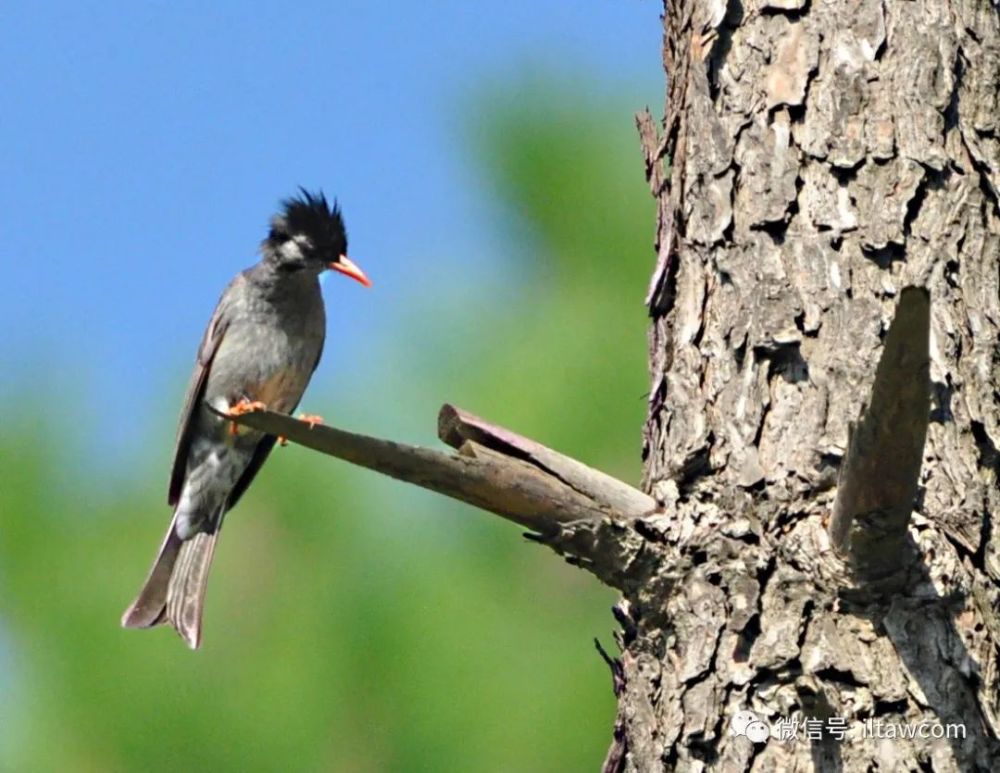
310 214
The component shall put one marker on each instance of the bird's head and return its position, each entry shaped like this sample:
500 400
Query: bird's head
309 234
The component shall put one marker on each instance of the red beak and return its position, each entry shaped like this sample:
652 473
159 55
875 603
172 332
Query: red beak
347 267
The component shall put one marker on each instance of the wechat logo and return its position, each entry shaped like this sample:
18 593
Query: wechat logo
747 723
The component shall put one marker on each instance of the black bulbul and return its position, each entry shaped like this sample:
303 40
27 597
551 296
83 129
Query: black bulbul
261 347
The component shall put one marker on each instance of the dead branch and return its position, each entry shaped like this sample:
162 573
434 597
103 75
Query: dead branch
494 469
456 426
880 473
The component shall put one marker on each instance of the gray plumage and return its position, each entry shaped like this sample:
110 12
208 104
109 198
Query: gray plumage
263 343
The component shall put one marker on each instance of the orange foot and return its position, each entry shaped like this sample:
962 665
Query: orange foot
244 406
311 419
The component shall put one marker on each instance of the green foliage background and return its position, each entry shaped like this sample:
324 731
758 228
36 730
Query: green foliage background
354 623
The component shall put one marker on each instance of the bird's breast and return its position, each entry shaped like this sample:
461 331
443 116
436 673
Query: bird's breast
266 362
282 390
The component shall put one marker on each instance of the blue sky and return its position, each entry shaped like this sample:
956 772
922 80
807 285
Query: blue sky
144 145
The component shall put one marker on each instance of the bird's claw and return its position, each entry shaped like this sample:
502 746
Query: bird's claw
309 418
242 407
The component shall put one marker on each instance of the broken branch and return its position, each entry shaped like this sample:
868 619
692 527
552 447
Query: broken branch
494 469
881 471
456 426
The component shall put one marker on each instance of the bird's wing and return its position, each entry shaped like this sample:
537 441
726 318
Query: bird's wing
214 334
260 454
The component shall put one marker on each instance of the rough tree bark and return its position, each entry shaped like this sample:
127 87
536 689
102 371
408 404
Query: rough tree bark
815 159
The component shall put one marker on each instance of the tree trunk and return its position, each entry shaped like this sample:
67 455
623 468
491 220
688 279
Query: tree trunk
822 156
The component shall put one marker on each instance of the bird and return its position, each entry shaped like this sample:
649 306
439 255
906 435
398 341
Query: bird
260 349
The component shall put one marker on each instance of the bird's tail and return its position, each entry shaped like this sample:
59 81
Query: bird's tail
175 589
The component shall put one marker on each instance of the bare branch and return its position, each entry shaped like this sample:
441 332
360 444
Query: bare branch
504 479
456 426
880 473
